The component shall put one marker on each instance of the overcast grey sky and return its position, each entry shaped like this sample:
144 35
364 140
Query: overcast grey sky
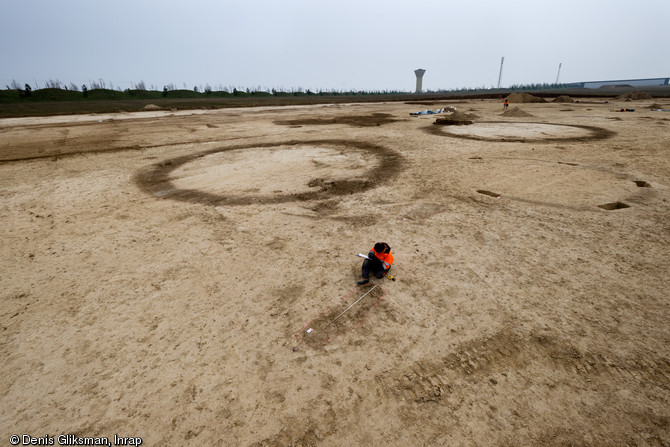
332 44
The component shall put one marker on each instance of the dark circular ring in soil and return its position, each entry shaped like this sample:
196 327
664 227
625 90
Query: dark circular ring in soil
595 133
376 119
156 180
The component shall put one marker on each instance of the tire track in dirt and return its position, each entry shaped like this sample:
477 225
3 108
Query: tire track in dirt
436 381
430 381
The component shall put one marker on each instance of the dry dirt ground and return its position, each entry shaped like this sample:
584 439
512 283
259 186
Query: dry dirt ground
161 271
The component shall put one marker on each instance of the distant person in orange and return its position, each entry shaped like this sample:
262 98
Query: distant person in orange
506 104
378 262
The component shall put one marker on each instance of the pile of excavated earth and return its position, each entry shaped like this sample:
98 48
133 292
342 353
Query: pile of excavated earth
515 112
523 98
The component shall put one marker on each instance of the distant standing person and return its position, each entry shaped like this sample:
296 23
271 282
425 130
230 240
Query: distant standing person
379 262
506 104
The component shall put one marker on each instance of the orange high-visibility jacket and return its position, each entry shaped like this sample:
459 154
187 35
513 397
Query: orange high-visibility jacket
386 258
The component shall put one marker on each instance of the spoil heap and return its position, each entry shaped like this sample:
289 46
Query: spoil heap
456 119
523 98
516 112
634 96
564 99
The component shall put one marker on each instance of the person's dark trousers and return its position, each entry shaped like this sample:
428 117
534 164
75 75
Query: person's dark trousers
375 266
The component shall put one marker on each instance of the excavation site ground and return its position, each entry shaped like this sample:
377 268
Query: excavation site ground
189 277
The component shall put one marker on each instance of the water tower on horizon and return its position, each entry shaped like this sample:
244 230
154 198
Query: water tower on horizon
419 78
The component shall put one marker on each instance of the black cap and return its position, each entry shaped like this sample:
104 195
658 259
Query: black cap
382 247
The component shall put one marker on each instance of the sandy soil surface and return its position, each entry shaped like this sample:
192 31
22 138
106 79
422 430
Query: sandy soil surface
161 271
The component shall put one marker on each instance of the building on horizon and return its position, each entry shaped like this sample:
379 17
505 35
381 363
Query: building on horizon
649 82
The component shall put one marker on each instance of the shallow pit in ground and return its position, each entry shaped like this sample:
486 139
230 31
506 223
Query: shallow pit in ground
614 206
488 193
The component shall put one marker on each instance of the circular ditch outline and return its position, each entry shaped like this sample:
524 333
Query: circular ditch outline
155 179
596 133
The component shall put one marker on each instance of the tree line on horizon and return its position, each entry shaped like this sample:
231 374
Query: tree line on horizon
226 91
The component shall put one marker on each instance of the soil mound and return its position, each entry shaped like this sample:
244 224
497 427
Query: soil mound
151 107
456 119
656 106
634 96
455 116
564 99
523 98
516 112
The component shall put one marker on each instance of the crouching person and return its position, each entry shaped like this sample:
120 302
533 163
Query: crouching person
378 263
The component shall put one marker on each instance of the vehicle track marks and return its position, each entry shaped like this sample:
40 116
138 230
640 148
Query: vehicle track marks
431 380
